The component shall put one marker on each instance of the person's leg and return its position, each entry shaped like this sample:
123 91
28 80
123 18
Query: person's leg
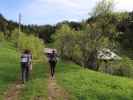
50 63
22 71
52 69
54 64
27 73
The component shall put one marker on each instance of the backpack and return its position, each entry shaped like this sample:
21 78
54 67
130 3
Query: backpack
53 57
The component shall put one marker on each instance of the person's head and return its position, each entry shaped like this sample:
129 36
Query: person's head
53 51
26 51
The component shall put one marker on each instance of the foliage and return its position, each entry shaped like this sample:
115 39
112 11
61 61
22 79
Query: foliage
79 45
103 8
65 41
15 36
90 41
126 28
121 67
124 68
102 13
32 43
100 32
2 38
105 19
46 33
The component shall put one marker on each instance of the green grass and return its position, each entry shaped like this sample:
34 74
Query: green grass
10 72
9 66
37 86
84 84
81 84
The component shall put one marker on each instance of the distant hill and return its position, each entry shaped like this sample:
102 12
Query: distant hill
42 31
45 32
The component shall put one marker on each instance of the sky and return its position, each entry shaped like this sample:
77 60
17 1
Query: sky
53 11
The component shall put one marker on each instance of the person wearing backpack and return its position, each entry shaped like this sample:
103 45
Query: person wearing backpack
26 58
52 61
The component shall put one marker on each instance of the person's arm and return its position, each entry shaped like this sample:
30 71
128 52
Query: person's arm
49 57
30 58
30 66
56 58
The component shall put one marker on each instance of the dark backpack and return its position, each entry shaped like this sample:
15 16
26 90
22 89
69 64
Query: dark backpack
53 57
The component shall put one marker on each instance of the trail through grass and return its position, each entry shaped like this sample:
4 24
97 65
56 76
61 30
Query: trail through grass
36 88
9 66
81 84
55 92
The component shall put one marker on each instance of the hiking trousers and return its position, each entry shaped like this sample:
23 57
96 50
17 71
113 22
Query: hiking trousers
52 67
24 71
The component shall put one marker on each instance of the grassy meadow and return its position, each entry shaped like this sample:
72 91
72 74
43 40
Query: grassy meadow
9 66
81 84
84 84
10 72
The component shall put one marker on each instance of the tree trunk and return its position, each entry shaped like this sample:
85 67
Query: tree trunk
91 61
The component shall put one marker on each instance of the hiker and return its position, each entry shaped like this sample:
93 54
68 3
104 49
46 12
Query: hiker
26 59
52 61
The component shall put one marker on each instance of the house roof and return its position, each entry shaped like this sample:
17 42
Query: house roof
49 50
104 54
107 54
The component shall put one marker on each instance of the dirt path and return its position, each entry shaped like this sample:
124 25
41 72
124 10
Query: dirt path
55 92
14 92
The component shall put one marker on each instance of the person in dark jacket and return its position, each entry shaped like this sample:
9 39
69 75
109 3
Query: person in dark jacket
26 58
52 61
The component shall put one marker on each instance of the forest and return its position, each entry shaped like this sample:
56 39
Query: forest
124 24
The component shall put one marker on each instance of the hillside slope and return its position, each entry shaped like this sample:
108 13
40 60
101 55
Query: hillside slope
9 69
81 84
89 85
10 73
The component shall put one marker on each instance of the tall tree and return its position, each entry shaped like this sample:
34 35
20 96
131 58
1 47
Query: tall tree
64 40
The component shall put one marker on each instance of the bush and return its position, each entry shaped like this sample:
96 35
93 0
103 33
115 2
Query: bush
14 36
32 43
122 67
2 36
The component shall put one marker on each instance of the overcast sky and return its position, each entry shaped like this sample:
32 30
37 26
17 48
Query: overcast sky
53 11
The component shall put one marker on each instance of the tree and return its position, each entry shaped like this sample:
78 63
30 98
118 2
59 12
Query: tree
2 38
98 34
65 42
103 18
90 41
91 38
103 8
45 32
32 43
106 20
126 29
15 35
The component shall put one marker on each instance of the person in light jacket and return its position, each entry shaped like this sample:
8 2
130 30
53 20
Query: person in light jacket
26 59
